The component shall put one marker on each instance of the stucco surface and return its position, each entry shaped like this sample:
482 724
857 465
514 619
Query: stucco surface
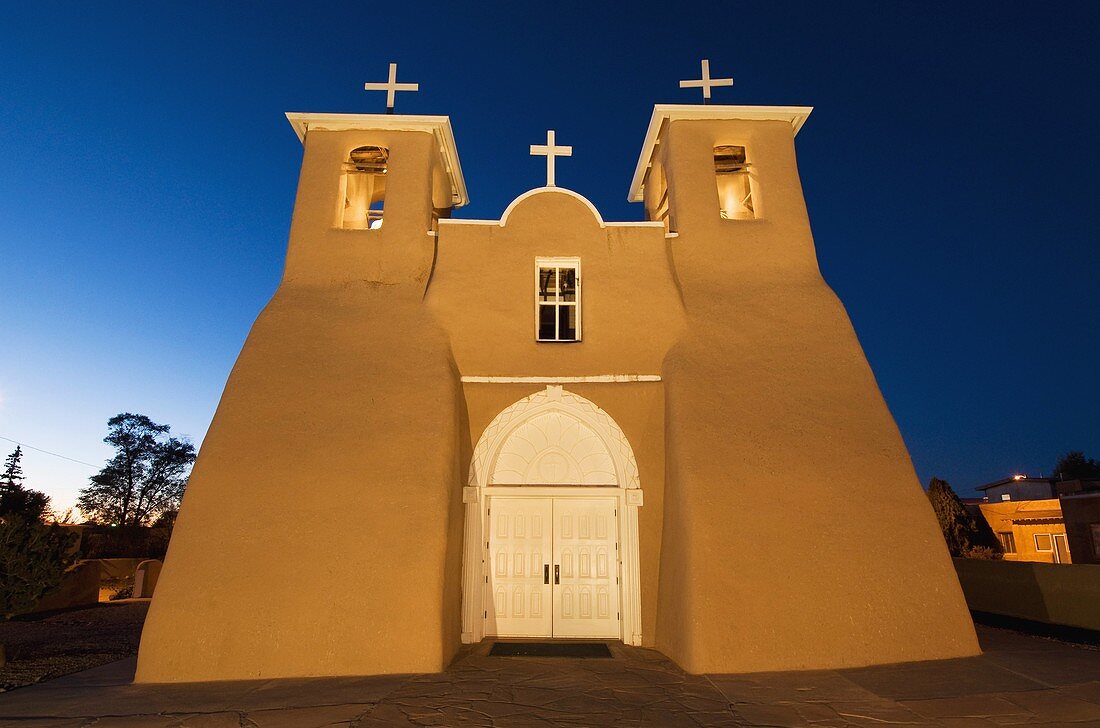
317 533
796 534
783 525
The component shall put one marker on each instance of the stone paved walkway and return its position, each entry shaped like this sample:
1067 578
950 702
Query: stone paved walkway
1020 680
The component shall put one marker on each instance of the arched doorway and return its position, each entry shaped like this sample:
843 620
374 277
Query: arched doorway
551 532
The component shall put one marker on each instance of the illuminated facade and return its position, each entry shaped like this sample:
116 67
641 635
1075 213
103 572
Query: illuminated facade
551 425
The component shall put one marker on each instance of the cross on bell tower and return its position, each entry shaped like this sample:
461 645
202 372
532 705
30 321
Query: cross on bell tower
391 87
706 82
549 150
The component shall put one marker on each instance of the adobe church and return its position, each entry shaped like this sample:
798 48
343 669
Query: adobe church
551 426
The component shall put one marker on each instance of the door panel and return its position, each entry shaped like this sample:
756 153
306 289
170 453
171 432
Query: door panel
586 592
1061 550
571 540
519 554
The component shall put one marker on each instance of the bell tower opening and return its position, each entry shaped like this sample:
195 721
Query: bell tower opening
735 183
363 186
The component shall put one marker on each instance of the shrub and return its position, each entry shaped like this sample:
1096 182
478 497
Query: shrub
33 558
125 592
982 552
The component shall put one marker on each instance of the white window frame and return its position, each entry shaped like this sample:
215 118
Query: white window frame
570 262
1041 550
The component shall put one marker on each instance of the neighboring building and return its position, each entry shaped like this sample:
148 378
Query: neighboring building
1018 488
1029 530
551 426
1044 519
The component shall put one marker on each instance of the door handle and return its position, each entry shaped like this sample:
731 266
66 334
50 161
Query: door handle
557 575
546 573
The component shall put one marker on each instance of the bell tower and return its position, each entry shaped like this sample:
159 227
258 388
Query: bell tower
372 189
332 463
783 459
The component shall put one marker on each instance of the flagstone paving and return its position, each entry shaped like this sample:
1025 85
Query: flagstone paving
1020 680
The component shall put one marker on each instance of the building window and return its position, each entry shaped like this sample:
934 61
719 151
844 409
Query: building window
1008 542
735 184
558 299
1095 528
1043 542
363 188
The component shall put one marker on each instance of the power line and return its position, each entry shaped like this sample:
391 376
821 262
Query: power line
47 452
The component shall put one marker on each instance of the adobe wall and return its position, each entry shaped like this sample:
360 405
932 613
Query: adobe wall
318 532
1061 594
631 316
79 587
796 535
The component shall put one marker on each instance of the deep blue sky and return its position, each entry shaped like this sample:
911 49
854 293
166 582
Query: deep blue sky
147 178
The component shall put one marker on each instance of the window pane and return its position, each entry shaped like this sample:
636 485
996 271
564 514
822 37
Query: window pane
546 322
1042 542
567 323
568 284
548 284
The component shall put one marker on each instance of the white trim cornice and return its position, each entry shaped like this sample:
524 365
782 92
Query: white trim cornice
564 380
439 126
795 115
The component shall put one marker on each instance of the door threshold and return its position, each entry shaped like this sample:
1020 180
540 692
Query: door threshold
557 648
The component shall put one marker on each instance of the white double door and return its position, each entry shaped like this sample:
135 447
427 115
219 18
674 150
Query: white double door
553 567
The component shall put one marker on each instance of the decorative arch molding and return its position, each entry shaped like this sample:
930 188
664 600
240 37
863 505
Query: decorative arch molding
553 442
530 413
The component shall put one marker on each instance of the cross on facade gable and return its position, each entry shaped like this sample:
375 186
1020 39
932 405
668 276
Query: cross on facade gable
549 150
706 82
391 87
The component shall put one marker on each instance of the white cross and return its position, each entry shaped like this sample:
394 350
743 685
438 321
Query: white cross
391 87
550 151
706 82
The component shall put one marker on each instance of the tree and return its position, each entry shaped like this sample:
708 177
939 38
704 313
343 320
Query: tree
12 477
15 499
145 477
1075 466
961 532
167 519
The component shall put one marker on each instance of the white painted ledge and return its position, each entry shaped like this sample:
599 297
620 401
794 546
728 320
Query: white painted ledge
565 380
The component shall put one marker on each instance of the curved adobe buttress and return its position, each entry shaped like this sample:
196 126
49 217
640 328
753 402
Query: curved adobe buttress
318 529
796 533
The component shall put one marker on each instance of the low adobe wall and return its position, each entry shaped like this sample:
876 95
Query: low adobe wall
79 587
1062 594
